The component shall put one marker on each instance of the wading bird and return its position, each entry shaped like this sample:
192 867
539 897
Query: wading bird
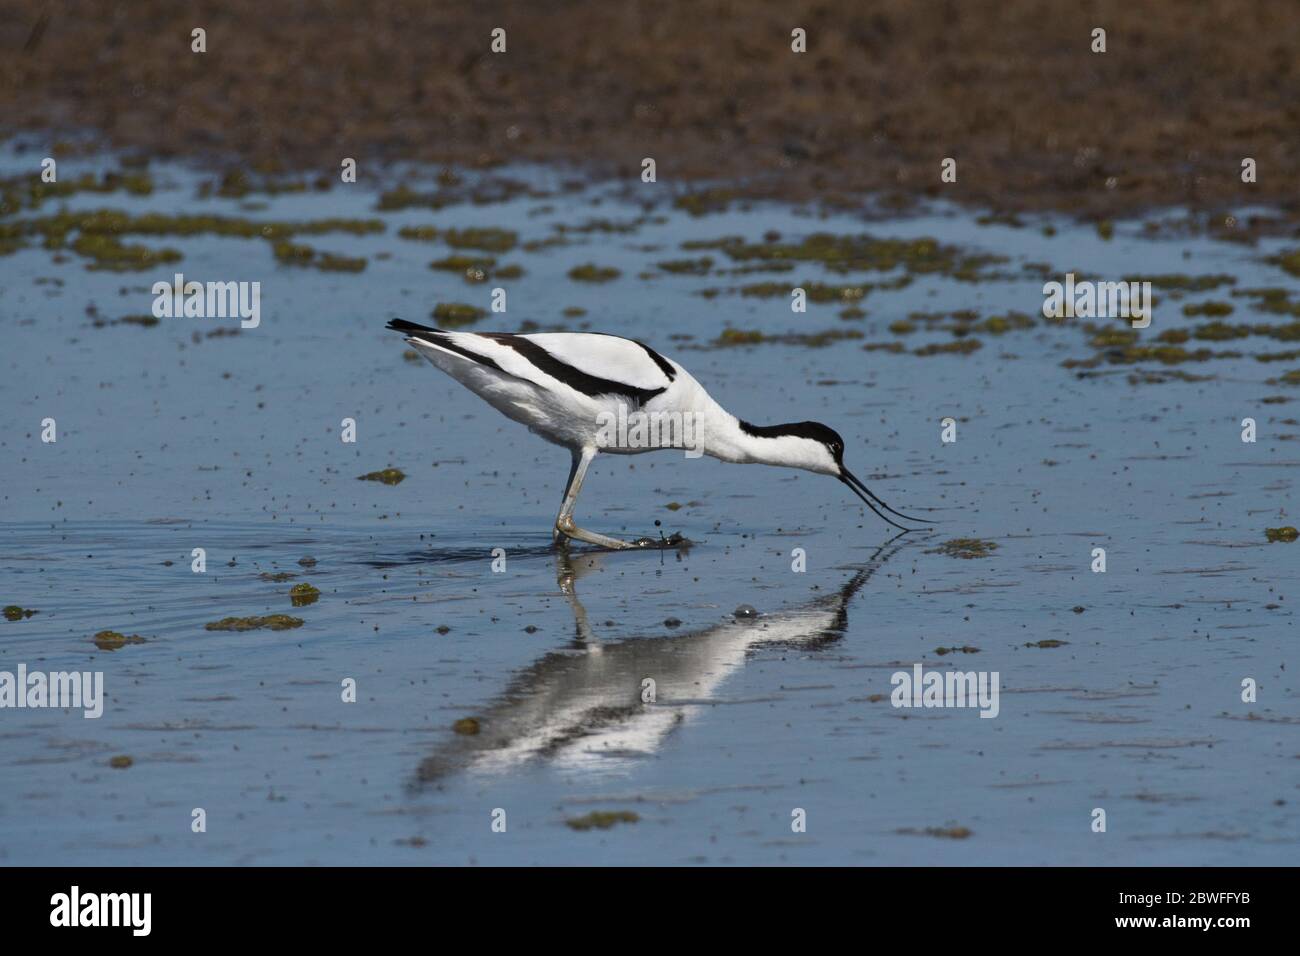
573 388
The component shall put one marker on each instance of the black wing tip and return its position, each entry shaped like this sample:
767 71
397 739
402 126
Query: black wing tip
401 325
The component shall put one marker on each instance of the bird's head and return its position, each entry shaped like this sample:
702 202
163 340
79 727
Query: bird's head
819 448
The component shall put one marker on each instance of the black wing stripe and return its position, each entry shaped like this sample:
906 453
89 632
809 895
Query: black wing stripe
664 365
576 379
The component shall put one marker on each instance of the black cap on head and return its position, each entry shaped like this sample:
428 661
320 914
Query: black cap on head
814 430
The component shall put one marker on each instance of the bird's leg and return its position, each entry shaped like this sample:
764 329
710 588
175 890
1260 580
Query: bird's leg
564 524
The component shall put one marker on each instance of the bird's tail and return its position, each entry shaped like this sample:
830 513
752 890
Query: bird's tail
411 328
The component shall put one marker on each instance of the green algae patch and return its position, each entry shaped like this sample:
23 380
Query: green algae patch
419 233
453 315
1286 534
29 191
115 640
1289 378
404 197
1287 261
902 327
590 272
120 762
109 254
947 833
1110 338
840 253
489 239
1209 309
959 347
1273 299
330 262
1002 324
815 291
471 268
13 612
966 548
701 202
277 577
303 594
693 267
388 476
411 355
301 254
114 223
573 312
512 271
293 253
466 726
1047 642
1180 282
601 820
734 337
274 622
1221 332
964 649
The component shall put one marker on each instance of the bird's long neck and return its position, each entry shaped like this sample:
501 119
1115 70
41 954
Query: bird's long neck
727 438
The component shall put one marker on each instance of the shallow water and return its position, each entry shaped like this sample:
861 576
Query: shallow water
231 444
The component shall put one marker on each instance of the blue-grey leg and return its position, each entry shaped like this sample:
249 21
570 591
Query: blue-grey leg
564 525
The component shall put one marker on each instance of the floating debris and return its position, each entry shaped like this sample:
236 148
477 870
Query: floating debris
950 833
959 347
455 314
964 649
389 476
466 725
601 819
489 239
1287 533
303 594
744 612
965 548
420 233
473 268
120 762
275 622
694 267
593 273
115 640
1208 308
1048 642
13 612
277 577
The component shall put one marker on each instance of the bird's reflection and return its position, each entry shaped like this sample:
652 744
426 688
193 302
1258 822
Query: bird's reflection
591 703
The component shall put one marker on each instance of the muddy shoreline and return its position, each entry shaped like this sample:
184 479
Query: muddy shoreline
710 89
